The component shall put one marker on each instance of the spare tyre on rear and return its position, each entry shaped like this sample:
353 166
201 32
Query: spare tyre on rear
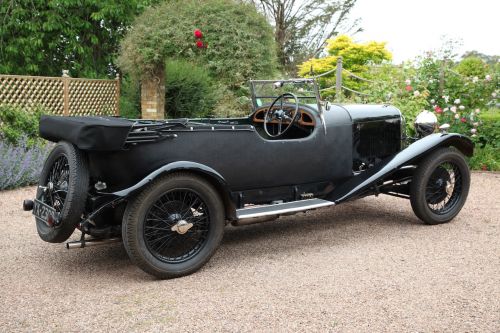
63 186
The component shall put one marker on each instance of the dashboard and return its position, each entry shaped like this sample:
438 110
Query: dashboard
305 118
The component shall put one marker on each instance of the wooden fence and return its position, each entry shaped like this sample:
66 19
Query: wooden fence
64 95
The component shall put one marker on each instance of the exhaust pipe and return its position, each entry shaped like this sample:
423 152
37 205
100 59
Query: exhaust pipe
28 205
91 242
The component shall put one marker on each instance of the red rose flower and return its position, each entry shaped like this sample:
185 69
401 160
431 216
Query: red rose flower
199 44
438 109
463 120
408 88
198 33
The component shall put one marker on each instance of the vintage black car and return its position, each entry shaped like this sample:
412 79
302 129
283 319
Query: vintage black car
167 188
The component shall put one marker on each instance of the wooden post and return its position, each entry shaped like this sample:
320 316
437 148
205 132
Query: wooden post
66 78
338 81
117 107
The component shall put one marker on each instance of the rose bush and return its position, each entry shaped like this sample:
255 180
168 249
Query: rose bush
462 94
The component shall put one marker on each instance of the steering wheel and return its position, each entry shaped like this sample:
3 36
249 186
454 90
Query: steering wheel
280 115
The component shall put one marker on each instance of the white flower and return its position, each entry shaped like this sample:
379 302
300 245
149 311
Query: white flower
457 101
408 82
433 101
477 111
494 94
453 109
416 93
446 109
446 98
461 107
473 131
431 81
457 116
487 77
475 124
475 79
473 135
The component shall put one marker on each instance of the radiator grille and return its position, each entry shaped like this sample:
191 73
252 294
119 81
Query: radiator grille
377 139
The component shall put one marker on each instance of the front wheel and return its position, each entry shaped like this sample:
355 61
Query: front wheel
440 186
174 226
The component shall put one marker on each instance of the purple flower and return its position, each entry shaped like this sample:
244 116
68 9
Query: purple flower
21 164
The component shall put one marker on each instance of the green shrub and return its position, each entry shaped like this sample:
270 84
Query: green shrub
233 104
189 90
489 131
17 123
486 158
239 41
130 98
472 66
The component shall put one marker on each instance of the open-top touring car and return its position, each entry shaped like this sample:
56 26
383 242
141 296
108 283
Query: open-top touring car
167 188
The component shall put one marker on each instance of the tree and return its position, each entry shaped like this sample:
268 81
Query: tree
302 27
40 37
490 60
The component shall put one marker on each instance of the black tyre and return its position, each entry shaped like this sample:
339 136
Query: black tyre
173 226
440 186
63 185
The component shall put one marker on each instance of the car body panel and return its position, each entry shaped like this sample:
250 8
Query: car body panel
356 185
243 158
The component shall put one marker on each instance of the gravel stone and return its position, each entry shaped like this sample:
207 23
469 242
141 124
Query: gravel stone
365 266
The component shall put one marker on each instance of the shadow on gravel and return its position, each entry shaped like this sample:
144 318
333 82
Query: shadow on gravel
328 227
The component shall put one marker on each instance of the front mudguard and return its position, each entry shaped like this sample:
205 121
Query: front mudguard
358 185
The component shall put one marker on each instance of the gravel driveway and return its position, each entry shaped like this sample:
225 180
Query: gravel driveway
366 266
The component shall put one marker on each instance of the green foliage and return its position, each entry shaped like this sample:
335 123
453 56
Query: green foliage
356 58
189 90
17 124
458 93
239 40
486 158
41 37
489 134
130 98
472 66
490 60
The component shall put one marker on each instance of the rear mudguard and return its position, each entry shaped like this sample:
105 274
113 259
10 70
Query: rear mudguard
176 166
358 185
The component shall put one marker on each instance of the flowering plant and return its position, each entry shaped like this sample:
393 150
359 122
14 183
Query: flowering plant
20 163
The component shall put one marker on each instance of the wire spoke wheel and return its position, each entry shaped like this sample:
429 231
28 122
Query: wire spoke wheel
176 226
63 185
56 186
440 186
173 226
444 188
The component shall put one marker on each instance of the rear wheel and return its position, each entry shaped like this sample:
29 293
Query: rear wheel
174 226
63 185
440 186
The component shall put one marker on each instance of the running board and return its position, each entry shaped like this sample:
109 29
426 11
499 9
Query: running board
282 208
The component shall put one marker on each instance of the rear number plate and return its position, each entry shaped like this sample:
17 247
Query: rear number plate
43 211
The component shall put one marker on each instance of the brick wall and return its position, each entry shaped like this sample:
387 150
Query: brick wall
153 95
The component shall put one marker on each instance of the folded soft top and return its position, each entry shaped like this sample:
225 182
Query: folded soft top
88 133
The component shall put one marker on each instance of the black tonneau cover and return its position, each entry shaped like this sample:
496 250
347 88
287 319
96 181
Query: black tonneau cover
88 133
